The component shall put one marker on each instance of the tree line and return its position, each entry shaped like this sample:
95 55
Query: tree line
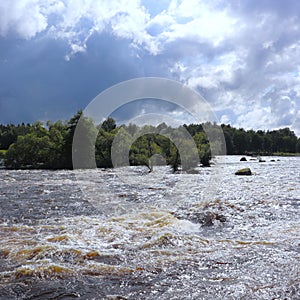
240 141
50 146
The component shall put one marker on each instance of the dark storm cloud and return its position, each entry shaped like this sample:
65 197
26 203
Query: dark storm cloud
38 83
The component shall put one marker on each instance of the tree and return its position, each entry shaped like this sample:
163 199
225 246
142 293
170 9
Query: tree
298 146
203 146
141 151
9 134
57 134
109 125
29 151
103 148
83 145
68 140
174 158
240 142
257 142
267 143
228 141
52 146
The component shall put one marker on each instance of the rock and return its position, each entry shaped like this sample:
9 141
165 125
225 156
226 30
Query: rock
192 171
206 219
210 217
245 171
272 160
243 158
260 159
221 218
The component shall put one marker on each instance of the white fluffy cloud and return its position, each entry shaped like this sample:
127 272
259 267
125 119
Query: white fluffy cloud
75 20
25 17
242 56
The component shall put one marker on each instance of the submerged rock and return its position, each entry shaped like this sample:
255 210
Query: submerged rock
210 217
260 159
244 171
192 171
201 217
243 158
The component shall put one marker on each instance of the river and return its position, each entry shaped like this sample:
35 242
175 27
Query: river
128 234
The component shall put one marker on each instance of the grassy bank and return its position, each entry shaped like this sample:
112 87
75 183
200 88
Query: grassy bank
285 154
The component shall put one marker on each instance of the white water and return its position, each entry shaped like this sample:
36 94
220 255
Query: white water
142 227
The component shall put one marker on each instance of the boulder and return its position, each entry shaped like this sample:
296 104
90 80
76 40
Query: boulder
243 158
209 217
245 171
205 218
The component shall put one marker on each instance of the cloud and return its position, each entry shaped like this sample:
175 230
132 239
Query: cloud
37 83
76 21
238 72
242 56
27 17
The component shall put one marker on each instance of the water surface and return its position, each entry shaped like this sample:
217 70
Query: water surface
98 235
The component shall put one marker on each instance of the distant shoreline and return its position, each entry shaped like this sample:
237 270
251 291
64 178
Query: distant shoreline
51 146
285 154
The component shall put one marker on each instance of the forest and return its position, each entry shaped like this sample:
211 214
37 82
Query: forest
49 146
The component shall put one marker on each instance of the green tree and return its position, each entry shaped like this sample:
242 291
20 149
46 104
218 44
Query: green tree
257 143
108 125
267 143
298 146
228 135
57 135
83 145
240 142
29 151
203 146
68 140
103 148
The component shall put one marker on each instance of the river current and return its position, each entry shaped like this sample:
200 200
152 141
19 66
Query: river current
130 234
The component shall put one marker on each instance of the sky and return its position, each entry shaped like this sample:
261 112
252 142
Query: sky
242 56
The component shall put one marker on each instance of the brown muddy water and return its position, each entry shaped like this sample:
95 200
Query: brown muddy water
102 234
